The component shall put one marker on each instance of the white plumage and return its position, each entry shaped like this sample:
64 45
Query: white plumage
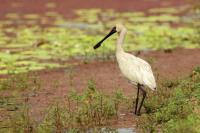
135 69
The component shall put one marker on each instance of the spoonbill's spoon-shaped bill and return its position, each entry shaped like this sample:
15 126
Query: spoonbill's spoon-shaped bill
109 34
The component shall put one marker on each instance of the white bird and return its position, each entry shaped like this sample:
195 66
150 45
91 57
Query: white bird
135 69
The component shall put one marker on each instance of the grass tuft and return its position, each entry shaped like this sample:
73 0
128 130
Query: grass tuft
175 107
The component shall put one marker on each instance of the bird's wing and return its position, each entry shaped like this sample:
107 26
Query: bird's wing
146 74
138 70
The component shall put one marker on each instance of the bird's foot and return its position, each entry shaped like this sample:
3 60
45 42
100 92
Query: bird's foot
138 114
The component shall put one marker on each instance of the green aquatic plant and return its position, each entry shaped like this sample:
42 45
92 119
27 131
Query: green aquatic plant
35 47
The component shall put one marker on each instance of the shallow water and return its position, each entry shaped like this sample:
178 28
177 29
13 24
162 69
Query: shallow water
126 130
112 130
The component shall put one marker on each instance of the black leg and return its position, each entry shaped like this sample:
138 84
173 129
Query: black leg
137 99
144 95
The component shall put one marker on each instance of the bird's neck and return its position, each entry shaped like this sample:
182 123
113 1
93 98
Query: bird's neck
120 41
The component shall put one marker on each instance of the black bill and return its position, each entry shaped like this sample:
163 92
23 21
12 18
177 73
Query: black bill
109 34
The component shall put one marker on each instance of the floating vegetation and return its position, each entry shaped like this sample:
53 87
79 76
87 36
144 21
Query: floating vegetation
12 16
50 5
31 16
63 39
164 10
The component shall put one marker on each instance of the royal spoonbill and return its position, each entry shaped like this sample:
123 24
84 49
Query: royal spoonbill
136 70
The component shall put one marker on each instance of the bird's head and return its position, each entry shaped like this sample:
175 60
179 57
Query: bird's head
118 28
